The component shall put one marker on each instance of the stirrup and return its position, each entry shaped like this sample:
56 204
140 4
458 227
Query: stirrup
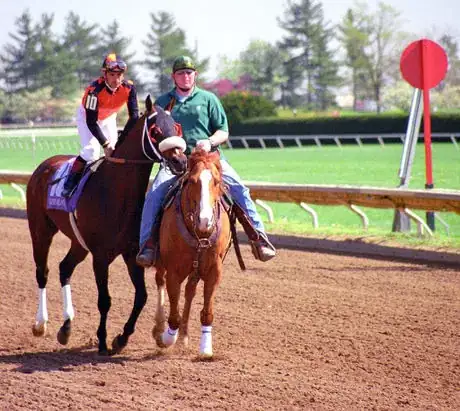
68 191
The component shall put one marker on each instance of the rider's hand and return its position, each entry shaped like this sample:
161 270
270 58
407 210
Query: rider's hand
108 150
204 145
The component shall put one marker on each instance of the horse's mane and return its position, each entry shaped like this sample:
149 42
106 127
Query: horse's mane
201 156
208 159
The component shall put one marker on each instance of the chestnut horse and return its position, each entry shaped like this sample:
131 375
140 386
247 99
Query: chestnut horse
109 213
194 239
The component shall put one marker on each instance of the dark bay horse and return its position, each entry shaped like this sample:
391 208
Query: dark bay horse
109 213
194 239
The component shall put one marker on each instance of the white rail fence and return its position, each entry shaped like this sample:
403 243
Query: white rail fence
281 141
14 138
404 200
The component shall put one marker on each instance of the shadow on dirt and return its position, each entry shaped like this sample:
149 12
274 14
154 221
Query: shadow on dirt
61 360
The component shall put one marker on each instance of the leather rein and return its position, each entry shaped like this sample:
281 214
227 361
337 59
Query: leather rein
145 137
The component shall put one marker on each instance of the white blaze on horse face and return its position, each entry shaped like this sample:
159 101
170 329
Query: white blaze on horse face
206 215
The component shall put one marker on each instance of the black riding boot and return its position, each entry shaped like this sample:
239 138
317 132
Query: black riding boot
74 177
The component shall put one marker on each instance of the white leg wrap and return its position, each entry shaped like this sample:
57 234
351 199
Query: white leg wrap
169 337
67 306
206 341
42 312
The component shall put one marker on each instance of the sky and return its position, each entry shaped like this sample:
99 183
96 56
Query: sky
219 27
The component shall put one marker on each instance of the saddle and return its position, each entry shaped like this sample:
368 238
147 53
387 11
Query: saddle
55 200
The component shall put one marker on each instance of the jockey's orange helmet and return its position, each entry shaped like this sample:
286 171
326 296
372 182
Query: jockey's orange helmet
114 63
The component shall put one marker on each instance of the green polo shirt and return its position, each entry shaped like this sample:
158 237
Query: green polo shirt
201 114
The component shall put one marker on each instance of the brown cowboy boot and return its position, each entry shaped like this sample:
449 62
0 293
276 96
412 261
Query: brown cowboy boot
148 255
262 248
74 177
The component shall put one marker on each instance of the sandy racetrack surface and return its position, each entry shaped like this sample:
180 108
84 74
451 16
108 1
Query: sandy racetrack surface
305 331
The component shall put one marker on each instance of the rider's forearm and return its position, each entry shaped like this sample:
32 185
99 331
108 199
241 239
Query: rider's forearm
219 137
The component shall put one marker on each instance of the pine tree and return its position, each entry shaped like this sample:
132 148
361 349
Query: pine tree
112 40
307 43
84 52
19 57
53 69
164 43
354 39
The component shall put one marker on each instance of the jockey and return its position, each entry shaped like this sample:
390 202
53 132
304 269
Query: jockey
204 124
97 114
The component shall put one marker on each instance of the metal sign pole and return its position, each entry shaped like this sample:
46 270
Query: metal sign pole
401 221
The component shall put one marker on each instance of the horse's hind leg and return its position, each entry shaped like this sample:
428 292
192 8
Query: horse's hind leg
67 266
137 276
101 273
42 231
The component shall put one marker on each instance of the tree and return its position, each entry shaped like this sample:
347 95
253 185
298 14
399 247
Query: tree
450 45
231 69
383 47
164 43
264 63
83 49
53 69
307 43
112 40
19 57
354 39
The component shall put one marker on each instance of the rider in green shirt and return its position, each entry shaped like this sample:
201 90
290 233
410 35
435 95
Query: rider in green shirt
204 124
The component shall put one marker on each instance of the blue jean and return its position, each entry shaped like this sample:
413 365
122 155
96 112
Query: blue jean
164 180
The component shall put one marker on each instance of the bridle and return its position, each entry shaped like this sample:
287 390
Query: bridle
146 137
146 142
192 237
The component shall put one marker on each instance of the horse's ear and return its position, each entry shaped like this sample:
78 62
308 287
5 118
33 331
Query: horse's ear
148 104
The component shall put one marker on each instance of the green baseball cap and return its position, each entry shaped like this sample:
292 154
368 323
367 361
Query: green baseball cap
183 62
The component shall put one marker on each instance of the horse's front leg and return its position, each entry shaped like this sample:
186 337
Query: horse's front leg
101 274
136 273
67 266
160 316
211 281
169 336
190 292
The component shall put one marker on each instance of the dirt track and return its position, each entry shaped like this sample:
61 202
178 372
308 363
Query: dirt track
306 331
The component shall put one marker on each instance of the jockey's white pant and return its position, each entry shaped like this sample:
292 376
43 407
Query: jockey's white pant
90 147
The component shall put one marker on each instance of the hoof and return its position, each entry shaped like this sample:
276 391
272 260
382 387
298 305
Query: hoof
157 333
206 355
39 330
104 353
184 340
169 337
63 335
118 344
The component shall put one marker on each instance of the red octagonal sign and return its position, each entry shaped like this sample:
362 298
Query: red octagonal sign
423 64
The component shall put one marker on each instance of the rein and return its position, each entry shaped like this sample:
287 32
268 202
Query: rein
150 160
127 161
